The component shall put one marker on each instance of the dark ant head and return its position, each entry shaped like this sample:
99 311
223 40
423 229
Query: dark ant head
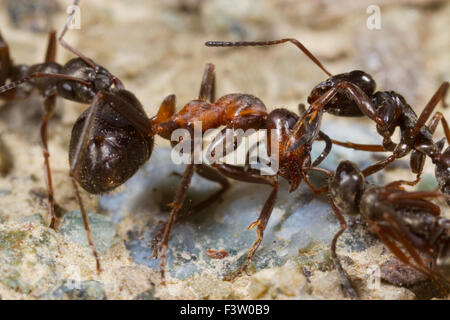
98 78
115 148
347 186
390 106
341 105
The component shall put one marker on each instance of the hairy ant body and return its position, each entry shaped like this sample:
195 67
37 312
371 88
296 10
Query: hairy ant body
395 215
353 94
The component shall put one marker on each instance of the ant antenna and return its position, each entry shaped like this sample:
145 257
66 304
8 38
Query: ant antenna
269 43
61 40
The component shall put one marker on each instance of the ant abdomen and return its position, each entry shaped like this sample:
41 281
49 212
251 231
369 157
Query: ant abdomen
341 104
98 79
116 149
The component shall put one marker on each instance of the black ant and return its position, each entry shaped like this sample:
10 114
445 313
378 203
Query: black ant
353 94
109 141
395 215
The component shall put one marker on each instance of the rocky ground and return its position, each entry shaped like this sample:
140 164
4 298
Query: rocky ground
156 48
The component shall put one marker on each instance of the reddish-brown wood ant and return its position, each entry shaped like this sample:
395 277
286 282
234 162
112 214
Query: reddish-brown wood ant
396 216
353 94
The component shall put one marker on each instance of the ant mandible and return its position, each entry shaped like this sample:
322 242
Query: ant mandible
353 94
395 215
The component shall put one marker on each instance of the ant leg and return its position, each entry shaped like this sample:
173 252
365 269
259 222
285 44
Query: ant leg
384 234
208 86
342 273
49 107
378 166
361 147
238 173
438 116
326 150
176 205
417 195
66 45
5 60
426 113
295 42
212 175
354 92
17 83
79 151
317 191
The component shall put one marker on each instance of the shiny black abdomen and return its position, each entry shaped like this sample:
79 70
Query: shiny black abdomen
114 151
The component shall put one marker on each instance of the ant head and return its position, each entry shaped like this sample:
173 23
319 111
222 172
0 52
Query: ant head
443 260
341 104
390 106
347 186
114 148
96 77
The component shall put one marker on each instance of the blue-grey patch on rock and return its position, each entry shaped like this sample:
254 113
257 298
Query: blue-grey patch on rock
102 228
300 219
146 295
76 290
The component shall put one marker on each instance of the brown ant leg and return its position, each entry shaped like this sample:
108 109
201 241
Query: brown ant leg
361 147
176 205
328 145
238 173
207 89
212 175
66 45
438 116
417 195
378 166
342 273
426 113
49 107
398 183
208 85
297 43
383 233
80 149
317 191
354 92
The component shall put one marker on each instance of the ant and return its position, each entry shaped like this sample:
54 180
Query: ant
114 136
395 215
109 141
353 94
